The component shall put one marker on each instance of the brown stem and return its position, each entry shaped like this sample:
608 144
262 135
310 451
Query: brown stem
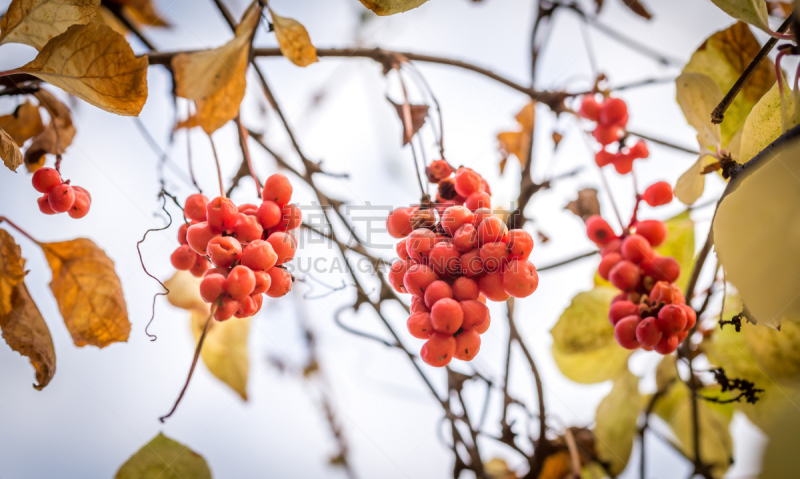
664 143
22 231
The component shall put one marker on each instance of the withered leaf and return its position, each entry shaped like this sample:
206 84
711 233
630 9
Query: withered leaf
636 7
557 137
418 115
188 123
143 12
9 151
96 64
58 134
216 78
24 123
390 7
518 143
293 40
163 458
22 324
585 205
35 22
88 292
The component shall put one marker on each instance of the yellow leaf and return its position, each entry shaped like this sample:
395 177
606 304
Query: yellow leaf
88 292
767 121
698 95
9 151
757 239
584 347
36 22
294 40
225 347
497 468
12 270
691 184
163 458
188 123
680 245
753 12
23 124
556 466
144 13
723 57
96 64
58 134
390 7
216 79
615 422
518 143
105 16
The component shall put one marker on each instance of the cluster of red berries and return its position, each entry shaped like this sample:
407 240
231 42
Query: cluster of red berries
246 245
452 264
59 196
612 117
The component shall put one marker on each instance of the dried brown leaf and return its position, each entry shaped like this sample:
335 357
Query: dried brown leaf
188 123
293 40
557 137
390 7
144 13
418 115
36 22
11 269
58 134
636 7
585 205
88 292
518 143
9 151
96 64
24 123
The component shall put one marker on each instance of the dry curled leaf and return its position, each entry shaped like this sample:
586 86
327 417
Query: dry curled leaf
12 270
518 143
390 7
163 458
24 123
35 22
96 64
58 134
293 40
143 12
188 123
9 151
216 79
585 205
418 115
88 292
638 8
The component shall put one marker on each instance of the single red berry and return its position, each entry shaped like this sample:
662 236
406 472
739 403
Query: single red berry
493 256
639 150
598 230
240 282
183 258
259 255
614 112
259 299
491 285
438 170
476 315
436 291
398 224
478 200
667 345
291 217
665 268
400 248
672 319
655 231
625 332
468 343
281 282
284 246
520 278
418 305
623 163
609 261
636 248
277 188
397 273
418 277
590 108
212 287
182 233
419 325
624 275
445 260
465 289
45 179
491 229
199 235
520 244
439 350
467 182
226 309
263 282
247 228
224 251
195 207
419 244
648 332
606 134
247 307
466 238
691 316
603 158
44 205
454 217
222 214
658 194
269 214
61 198
446 315
621 309
471 264
201 265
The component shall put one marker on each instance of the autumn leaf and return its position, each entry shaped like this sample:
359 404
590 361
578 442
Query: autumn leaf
23 124
638 8
224 350
36 22
58 134
418 115
22 324
188 123
753 12
584 347
497 468
767 121
698 95
759 214
216 79
143 12
615 422
96 64
163 458
518 143
293 40
691 184
88 292
9 151
585 205
391 7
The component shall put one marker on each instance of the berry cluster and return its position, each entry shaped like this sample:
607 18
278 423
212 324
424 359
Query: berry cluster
59 196
651 311
611 117
246 245
452 263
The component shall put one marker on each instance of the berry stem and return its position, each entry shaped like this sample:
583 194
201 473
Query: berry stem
409 130
13 225
246 152
194 361
219 170
58 164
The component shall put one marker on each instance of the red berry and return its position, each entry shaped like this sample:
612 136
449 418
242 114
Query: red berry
691 316
223 271
520 278
182 233
195 207
658 194
247 209
466 238
399 222
603 158
226 309
455 216
247 228
666 293
44 205
438 170
493 256
471 264
491 229
419 244
418 277
465 289
672 319
621 309
277 188
609 261
468 343
284 246
598 230
491 285
61 198
590 109
401 250
625 332
259 256
45 179
639 150
240 282
222 214
667 345
606 134
200 267
520 244
613 246
664 268
423 218
396 275
281 282
478 200
436 291
445 260
224 251
625 276
263 282
212 287
636 248
446 315
269 214
247 307
623 163
291 217
439 350
614 112
467 182
648 332
418 305
183 258
653 230
476 315
419 325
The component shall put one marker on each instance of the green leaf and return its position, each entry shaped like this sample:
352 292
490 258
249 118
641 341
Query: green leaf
767 121
680 245
753 12
390 7
164 458
584 347
615 422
